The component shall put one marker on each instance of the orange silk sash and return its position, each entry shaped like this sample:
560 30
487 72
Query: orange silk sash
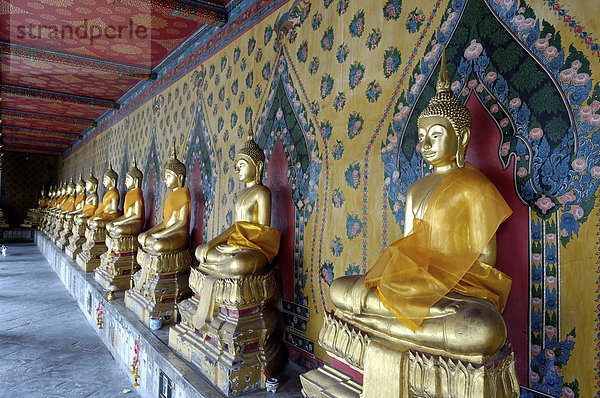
69 204
249 235
89 209
175 201
108 197
135 195
80 198
441 252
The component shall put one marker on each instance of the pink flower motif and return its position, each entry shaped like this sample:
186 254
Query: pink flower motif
429 56
551 281
527 24
465 91
479 88
544 203
576 64
494 108
595 105
550 238
474 50
585 112
536 257
534 377
504 122
550 330
568 393
518 20
504 149
564 233
401 198
446 26
397 117
581 79
594 120
414 89
396 175
542 44
506 4
386 181
566 75
279 114
536 349
595 171
419 78
556 370
522 172
577 212
536 133
550 52
579 164
550 355
404 110
472 84
566 198
514 103
536 303
455 85
491 76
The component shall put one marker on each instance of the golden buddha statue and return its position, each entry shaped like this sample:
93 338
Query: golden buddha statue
163 254
234 281
33 216
80 220
95 234
118 264
435 291
75 202
43 200
67 205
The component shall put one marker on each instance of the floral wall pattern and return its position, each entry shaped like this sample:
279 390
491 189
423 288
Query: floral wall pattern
336 86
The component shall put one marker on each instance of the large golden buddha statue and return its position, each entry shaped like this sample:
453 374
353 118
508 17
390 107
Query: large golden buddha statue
119 263
77 207
234 281
435 294
95 234
68 204
163 254
80 220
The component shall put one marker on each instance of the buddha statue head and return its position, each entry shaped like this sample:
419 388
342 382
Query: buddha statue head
250 160
133 178
91 184
70 188
80 186
110 177
63 189
174 171
444 125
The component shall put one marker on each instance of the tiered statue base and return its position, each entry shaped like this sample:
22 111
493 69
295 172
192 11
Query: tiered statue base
391 370
76 240
66 232
233 347
159 285
89 258
59 227
119 262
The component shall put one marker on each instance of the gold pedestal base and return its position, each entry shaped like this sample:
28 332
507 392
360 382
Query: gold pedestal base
159 285
89 258
233 347
396 371
118 263
76 240
327 381
65 235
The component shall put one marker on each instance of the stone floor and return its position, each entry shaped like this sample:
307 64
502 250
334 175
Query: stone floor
47 347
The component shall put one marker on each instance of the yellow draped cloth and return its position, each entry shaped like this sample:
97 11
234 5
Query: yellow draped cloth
43 202
60 201
249 235
80 198
89 209
175 201
108 197
69 204
135 195
440 254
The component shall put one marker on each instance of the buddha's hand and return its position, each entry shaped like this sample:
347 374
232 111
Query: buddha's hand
202 252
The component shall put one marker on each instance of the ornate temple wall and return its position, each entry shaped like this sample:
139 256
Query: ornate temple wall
334 88
17 196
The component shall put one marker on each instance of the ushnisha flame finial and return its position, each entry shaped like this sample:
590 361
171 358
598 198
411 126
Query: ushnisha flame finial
443 83
174 164
251 149
134 172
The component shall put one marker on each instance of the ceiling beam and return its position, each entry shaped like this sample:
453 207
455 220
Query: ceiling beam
42 138
31 150
46 118
47 133
26 92
38 143
34 53
201 11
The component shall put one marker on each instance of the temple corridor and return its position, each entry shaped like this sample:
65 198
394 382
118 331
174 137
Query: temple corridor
48 349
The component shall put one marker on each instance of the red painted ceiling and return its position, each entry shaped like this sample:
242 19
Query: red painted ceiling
65 59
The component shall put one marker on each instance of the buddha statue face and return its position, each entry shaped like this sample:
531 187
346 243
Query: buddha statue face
70 189
133 177
172 180
108 182
80 187
438 141
247 170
